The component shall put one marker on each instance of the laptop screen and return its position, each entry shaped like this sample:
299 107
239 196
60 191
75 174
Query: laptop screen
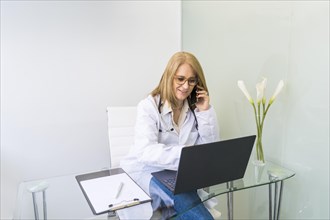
213 163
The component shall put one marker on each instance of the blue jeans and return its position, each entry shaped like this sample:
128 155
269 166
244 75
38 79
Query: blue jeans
183 204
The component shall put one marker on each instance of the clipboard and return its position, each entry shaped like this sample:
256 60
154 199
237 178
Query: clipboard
111 190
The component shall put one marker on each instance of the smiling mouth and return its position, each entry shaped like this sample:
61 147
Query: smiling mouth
182 91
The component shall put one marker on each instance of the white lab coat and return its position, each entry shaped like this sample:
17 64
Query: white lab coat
155 150
157 146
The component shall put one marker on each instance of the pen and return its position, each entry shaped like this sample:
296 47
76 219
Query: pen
120 187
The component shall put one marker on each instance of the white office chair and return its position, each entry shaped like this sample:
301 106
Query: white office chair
121 123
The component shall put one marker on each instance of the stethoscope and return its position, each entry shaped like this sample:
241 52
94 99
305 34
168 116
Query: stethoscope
169 129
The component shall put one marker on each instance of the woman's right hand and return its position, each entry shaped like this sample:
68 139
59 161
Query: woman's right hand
203 99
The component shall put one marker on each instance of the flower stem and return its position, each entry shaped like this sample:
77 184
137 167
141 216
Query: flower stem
259 124
260 153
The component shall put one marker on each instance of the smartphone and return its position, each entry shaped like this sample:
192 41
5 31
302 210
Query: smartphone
193 98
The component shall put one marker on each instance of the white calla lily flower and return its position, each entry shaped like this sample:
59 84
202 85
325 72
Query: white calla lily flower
242 86
277 91
260 114
260 90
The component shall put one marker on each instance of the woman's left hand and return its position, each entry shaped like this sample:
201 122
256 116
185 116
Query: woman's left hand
203 99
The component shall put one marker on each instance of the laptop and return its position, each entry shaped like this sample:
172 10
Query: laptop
208 164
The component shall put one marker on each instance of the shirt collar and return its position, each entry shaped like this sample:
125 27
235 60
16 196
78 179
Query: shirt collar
167 108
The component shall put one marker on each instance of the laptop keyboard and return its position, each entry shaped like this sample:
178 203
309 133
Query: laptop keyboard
170 182
167 178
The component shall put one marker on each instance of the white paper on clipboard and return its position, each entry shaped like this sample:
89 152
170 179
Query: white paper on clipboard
102 192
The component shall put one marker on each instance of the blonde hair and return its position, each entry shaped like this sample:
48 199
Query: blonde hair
165 86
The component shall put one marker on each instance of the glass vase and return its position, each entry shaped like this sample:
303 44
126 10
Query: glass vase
259 148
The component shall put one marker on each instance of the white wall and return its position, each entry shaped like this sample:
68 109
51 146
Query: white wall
62 64
286 40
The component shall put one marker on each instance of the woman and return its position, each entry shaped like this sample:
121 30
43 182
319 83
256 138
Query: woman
177 113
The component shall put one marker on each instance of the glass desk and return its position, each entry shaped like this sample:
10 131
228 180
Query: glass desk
66 201
256 175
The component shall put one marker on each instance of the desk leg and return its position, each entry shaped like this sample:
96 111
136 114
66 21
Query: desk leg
279 199
275 203
270 201
35 206
230 198
230 202
44 201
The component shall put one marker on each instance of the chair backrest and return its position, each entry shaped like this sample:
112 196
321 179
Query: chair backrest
121 123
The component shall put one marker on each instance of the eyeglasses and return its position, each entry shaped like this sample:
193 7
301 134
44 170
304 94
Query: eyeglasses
182 80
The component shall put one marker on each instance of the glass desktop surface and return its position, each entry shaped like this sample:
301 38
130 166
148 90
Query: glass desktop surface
66 201
255 176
